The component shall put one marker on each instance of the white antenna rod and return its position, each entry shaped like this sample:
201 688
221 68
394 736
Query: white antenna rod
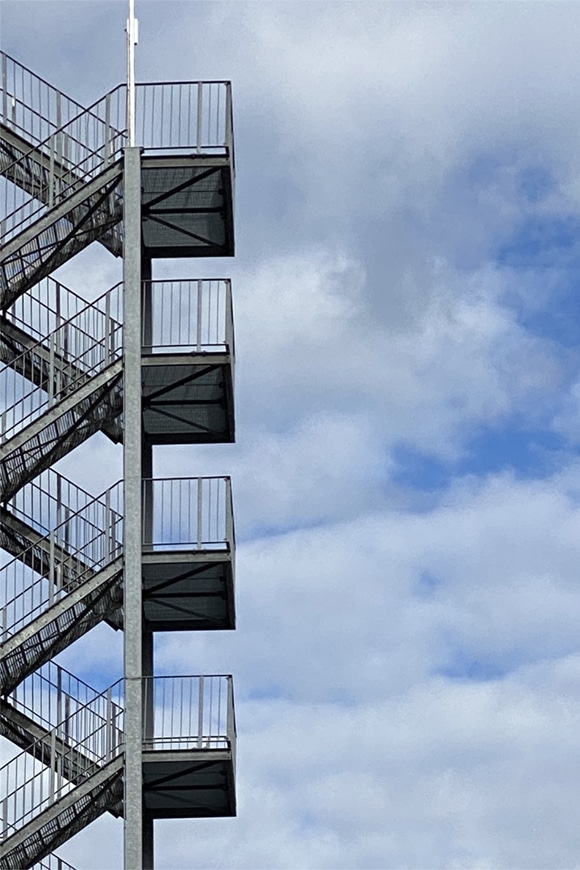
132 39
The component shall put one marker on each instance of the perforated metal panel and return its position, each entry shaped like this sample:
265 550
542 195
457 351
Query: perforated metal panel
187 402
187 207
187 592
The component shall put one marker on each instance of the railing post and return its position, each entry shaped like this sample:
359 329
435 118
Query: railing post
199 512
50 389
107 130
4 88
109 725
108 334
51 173
66 727
229 330
228 130
59 698
200 714
199 315
229 514
231 720
51 567
52 765
108 527
199 116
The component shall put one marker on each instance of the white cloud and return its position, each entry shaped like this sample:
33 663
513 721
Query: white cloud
381 151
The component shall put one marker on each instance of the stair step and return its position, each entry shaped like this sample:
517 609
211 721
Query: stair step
40 176
54 626
48 238
60 429
101 790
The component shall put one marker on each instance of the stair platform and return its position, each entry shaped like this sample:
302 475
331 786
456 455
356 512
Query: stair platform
185 784
187 206
188 398
188 591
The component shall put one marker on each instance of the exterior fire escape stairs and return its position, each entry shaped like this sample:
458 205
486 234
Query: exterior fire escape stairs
60 190
72 773
61 171
58 589
75 377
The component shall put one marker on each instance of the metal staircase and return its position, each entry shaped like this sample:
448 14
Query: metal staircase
75 373
62 585
63 377
45 504
60 171
72 773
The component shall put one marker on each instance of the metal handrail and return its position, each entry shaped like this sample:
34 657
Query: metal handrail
29 786
179 514
188 513
188 315
53 862
27 595
49 500
68 150
20 86
183 316
52 694
183 116
75 354
44 307
194 713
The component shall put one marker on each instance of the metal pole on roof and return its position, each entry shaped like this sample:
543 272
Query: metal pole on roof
132 39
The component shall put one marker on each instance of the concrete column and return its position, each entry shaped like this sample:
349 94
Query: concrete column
133 512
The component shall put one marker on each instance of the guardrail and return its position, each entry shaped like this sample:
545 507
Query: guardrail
186 315
78 349
29 104
49 500
171 116
52 695
193 513
45 307
29 785
193 713
85 543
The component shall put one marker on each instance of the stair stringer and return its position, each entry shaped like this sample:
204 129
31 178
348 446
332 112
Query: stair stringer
102 790
70 617
60 429
63 231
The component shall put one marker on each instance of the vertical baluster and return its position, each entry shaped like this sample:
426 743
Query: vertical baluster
200 714
4 88
199 116
199 316
52 765
109 726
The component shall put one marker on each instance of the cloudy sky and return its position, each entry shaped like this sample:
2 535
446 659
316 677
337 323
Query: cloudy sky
406 475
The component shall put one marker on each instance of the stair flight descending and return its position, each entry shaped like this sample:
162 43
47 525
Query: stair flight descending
78 369
45 504
59 588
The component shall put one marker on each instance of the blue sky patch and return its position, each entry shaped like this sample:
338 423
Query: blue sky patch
530 453
465 668
542 242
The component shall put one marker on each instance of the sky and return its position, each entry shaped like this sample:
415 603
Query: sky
406 474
